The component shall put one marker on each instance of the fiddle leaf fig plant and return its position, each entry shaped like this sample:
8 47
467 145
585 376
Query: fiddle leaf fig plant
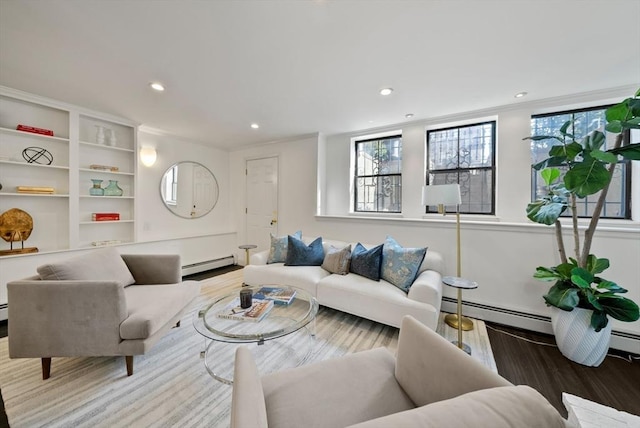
588 168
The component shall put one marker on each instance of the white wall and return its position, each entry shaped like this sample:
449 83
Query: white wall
500 252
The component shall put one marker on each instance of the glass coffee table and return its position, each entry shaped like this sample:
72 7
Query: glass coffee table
292 324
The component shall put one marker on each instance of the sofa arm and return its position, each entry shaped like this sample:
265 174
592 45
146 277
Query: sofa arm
64 318
260 258
154 268
427 288
430 368
248 408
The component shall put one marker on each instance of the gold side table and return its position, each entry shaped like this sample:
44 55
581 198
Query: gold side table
460 284
246 249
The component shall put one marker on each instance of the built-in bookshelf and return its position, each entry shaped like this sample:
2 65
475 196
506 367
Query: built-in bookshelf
66 162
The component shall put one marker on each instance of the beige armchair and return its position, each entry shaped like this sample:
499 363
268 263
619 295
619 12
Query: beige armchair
97 304
431 383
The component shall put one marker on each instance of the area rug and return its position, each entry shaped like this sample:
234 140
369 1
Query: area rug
170 386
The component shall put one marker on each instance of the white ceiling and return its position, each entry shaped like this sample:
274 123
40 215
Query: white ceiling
300 67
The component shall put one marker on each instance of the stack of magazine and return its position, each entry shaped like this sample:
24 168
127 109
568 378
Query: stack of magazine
258 310
279 295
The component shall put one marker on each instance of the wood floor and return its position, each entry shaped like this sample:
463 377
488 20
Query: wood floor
615 383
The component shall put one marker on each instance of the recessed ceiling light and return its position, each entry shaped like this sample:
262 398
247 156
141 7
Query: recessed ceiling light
408 115
157 86
255 126
386 91
520 94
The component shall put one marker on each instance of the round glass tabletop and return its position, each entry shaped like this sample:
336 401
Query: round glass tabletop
281 320
457 282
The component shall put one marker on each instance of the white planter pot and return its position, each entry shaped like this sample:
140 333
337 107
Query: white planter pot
576 339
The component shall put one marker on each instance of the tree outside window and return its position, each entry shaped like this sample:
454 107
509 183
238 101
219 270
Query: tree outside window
378 175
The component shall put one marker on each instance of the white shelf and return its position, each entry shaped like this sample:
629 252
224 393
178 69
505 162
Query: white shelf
32 165
106 197
37 195
107 222
105 147
100 171
32 134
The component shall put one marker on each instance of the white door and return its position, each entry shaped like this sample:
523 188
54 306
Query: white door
262 201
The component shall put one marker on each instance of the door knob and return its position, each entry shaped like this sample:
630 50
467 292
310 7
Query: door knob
273 222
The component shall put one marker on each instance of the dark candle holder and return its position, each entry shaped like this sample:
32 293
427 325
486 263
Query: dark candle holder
246 297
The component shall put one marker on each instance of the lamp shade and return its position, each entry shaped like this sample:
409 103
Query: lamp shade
148 156
442 194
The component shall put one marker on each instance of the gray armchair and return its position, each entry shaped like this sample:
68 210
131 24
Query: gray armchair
97 304
431 383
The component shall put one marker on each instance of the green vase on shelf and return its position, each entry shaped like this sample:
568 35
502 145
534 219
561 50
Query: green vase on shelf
96 190
113 189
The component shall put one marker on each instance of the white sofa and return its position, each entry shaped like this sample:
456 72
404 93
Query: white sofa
379 301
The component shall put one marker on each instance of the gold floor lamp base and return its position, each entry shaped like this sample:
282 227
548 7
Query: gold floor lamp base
452 321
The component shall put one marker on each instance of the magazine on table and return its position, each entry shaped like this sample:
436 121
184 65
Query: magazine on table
258 310
279 295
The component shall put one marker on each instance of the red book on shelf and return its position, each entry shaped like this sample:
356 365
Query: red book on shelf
34 130
105 216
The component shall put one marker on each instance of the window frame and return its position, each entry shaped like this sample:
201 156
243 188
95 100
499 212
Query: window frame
626 162
492 168
356 177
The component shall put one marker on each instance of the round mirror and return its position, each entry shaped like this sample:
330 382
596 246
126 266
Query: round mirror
189 189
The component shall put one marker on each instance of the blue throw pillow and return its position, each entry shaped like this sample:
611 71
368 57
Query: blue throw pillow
278 248
300 254
400 266
366 262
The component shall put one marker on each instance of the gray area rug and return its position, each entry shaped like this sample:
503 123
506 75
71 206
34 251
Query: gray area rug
170 386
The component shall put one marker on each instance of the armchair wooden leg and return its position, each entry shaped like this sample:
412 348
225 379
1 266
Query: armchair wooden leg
46 368
129 360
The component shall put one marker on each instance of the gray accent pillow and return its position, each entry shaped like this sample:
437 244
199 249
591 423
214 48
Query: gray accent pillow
337 260
278 248
104 264
366 262
300 254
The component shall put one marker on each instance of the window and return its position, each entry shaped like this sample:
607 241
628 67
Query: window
378 175
464 155
585 121
171 186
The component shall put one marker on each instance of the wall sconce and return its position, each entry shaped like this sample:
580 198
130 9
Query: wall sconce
148 156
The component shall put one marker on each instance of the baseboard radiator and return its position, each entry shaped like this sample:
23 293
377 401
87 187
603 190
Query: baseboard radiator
628 342
207 265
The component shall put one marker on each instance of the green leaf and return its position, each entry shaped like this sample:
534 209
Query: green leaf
550 162
596 265
581 277
594 140
620 308
586 178
615 126
599 320
564 127
546 274
543 137
631 152
549 175
562 297
611 286
545 211
604 156
618 112
593 299
565 270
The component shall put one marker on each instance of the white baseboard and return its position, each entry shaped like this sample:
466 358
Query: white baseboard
207 265
619 340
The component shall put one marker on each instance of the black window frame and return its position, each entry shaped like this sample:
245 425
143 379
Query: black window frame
626 135
492 168
356 177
